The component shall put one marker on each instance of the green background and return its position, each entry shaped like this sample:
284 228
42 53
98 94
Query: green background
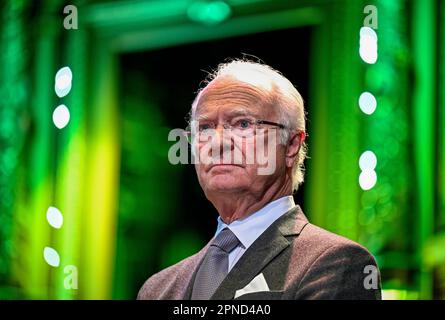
129 213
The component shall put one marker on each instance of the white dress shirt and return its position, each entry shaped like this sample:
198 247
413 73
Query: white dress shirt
250 228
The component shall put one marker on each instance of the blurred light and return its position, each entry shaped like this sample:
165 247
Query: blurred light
368 51
51 257
54 217
367 216
392 146
63 82
61 116
367 103
368 32
367 179
209 12
367 161
397 294
368 45
369 199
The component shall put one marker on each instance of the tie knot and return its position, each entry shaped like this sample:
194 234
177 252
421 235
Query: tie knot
226 240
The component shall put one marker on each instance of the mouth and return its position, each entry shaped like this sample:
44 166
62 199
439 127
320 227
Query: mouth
224 166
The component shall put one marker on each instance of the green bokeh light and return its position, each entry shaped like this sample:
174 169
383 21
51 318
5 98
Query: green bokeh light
209 12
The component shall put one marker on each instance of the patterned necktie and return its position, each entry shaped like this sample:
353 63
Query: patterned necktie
215 265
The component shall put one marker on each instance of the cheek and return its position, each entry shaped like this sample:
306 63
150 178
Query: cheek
264 154
200 173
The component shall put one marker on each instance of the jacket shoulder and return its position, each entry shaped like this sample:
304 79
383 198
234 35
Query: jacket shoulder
166 283
332 266
319 240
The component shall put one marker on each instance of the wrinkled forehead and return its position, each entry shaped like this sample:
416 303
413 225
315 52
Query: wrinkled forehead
228 93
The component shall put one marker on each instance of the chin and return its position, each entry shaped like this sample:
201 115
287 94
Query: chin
225 184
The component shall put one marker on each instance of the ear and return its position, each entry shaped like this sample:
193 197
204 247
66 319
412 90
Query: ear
293 147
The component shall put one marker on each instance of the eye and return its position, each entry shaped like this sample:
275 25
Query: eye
204 127
243 124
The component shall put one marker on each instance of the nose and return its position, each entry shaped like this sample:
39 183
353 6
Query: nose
223 139
222 125
219 130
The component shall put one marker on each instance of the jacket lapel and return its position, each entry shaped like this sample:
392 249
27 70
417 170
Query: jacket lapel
272 242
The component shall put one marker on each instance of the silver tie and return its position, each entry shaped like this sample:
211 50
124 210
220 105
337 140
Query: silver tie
215 265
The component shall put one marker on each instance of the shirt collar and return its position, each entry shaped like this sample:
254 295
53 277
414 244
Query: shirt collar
250 228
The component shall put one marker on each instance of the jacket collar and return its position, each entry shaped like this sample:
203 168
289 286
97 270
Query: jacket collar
257 256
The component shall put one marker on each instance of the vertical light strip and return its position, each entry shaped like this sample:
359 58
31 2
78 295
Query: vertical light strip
441 124
102 179
424 32
332 188
317 165
37 271
71 167
346 116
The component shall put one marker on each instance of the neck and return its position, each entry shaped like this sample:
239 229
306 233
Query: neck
239 205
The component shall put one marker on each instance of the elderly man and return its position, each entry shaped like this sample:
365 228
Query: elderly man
264 246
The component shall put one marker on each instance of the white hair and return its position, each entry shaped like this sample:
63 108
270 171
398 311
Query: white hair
278 91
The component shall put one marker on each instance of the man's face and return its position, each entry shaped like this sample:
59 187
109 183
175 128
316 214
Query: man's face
229 101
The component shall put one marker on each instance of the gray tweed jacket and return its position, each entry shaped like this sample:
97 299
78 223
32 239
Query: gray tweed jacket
298 260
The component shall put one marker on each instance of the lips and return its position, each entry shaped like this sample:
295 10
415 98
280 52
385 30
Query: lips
224 165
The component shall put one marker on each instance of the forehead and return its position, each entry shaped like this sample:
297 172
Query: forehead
231 96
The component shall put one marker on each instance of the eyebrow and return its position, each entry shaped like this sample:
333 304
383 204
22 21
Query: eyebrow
230 114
